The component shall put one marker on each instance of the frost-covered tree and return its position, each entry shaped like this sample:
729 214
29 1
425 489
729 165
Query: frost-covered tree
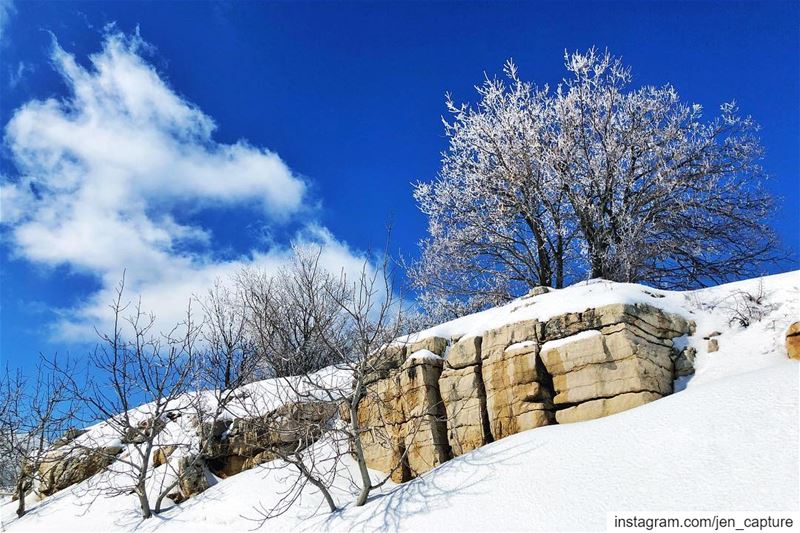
594 179
659 194
498 219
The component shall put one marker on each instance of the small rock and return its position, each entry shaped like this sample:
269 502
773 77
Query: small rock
536 291
176 497
160 455
684 362
193 476
70 435
793 341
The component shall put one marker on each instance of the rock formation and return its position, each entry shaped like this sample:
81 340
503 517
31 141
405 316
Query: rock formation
68 465
573 367
402 415
435 398
464 396
243 443
793 341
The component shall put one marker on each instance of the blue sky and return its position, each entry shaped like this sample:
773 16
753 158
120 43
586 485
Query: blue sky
311 120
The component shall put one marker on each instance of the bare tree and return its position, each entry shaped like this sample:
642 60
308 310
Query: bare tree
229 354
292 315
356 322
364 343
226 360
35 416
289 312
142 367
291 417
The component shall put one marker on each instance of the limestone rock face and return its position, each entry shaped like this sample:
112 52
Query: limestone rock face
62 468
403 420
193 477
601 366
385 363
516 377
604 407
465 404
252 441
465 352
793 341
462 389
624 358
684 362
380 417
435 345
645 318
423 429
518 390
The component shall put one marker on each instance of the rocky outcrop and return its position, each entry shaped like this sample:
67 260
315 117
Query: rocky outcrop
139 433
420 410
605 406
464 397
403 416
683 362
623 358
67 465
793 341
193 478
518 389
243 443
70 435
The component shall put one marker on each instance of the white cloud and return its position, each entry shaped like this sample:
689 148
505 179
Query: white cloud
103 172
6 10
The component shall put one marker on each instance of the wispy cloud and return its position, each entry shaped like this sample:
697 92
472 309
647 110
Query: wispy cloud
6 10
103 173
18 73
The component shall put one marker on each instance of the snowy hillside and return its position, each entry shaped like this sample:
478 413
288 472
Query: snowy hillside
726 441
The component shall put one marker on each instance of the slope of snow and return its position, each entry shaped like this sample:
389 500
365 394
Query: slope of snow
728 442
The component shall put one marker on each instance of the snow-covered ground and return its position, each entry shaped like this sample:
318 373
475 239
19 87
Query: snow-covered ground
727 442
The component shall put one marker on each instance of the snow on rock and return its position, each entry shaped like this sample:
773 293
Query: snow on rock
424 355
557 343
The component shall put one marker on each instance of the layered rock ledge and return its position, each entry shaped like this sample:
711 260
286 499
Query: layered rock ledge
437 398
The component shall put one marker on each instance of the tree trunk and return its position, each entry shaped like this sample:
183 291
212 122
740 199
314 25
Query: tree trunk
317 483
164 492
559 263
366 482
597 252
21 499
143 501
